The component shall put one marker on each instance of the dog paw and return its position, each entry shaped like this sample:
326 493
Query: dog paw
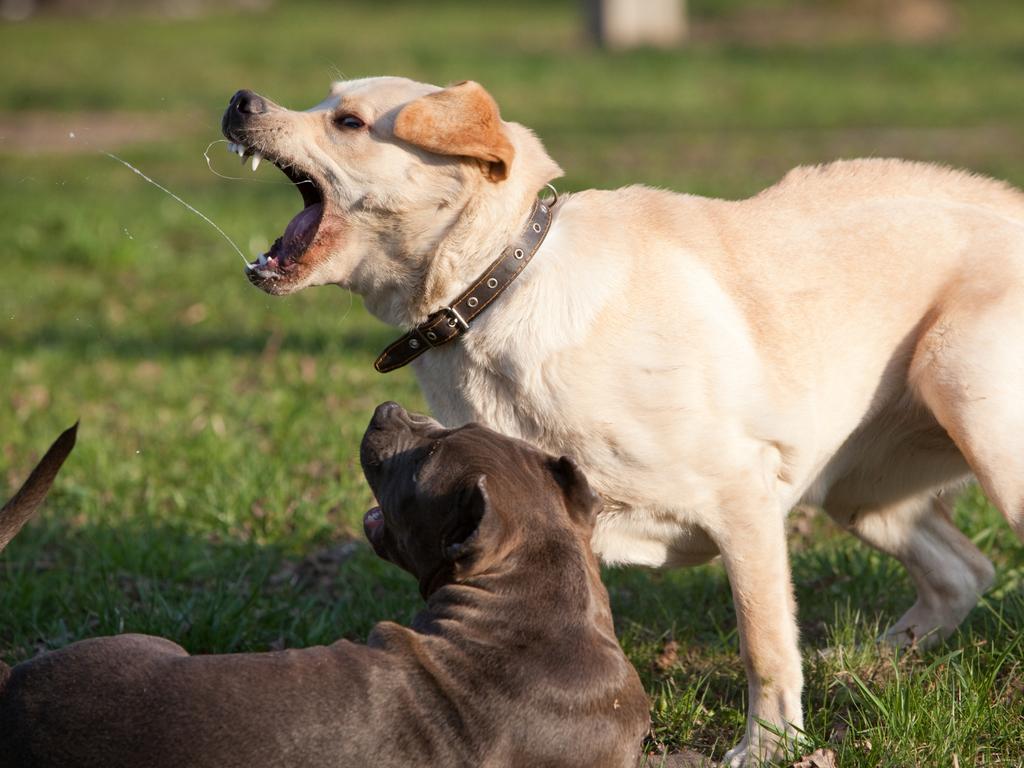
738 757
742 756
765 748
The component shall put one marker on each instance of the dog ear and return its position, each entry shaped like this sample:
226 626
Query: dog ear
462 119
581 501
462 542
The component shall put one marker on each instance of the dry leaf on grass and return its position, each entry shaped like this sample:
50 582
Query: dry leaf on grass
686 758
819 758
668 657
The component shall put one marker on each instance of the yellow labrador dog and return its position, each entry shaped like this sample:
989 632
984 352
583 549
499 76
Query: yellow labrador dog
852 337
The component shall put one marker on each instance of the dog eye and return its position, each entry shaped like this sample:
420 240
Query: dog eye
424 461
348 121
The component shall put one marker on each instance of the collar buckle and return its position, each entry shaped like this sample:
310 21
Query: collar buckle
455 319
475 299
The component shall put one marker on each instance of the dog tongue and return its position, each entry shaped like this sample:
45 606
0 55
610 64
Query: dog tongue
301 229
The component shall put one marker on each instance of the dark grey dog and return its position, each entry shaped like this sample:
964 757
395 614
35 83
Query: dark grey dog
514 662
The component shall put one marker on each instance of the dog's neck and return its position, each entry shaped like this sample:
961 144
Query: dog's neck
474 602
484 220
483 232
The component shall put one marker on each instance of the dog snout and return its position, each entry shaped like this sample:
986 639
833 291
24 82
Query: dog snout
382 436
243 106
393 430
248 103
386 414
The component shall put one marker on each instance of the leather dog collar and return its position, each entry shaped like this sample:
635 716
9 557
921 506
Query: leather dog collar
450 322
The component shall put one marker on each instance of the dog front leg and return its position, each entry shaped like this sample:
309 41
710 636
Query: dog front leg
753 547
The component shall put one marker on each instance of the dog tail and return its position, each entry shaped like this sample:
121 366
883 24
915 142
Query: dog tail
26 501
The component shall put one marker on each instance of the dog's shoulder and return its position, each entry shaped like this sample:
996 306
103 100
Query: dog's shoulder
391 637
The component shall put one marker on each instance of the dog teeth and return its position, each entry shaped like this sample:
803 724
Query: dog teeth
259 263
246 153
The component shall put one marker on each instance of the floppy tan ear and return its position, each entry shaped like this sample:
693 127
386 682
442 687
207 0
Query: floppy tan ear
462 120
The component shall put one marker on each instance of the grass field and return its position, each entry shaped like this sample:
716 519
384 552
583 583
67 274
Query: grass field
215 496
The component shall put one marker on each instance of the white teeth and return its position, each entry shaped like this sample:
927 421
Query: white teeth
243 152
258 263
260 268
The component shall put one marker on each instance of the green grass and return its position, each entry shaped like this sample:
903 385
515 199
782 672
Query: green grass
215 495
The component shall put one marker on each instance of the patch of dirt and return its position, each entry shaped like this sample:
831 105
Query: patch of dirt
807 526
901 21
319 569
19 10
63 133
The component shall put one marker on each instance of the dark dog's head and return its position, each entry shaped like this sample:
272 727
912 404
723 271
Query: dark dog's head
455 503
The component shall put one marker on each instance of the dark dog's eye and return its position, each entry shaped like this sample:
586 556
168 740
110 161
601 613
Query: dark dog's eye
348 121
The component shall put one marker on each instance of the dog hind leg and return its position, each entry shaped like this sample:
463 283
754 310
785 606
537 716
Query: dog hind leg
948 571
969 371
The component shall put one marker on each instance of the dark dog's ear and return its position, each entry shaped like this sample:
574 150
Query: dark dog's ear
462 542
479 538
581 501
463 120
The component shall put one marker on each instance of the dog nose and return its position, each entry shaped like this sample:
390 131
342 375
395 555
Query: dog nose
385 413
248 103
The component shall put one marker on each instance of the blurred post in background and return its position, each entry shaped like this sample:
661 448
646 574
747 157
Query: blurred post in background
624 24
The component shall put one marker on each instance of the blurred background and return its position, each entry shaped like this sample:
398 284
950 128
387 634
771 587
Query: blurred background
119 305
215 495
731 95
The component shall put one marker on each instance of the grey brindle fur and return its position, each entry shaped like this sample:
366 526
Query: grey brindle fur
514 661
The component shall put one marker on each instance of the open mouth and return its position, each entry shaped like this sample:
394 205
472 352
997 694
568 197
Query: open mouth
373 525
286 253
